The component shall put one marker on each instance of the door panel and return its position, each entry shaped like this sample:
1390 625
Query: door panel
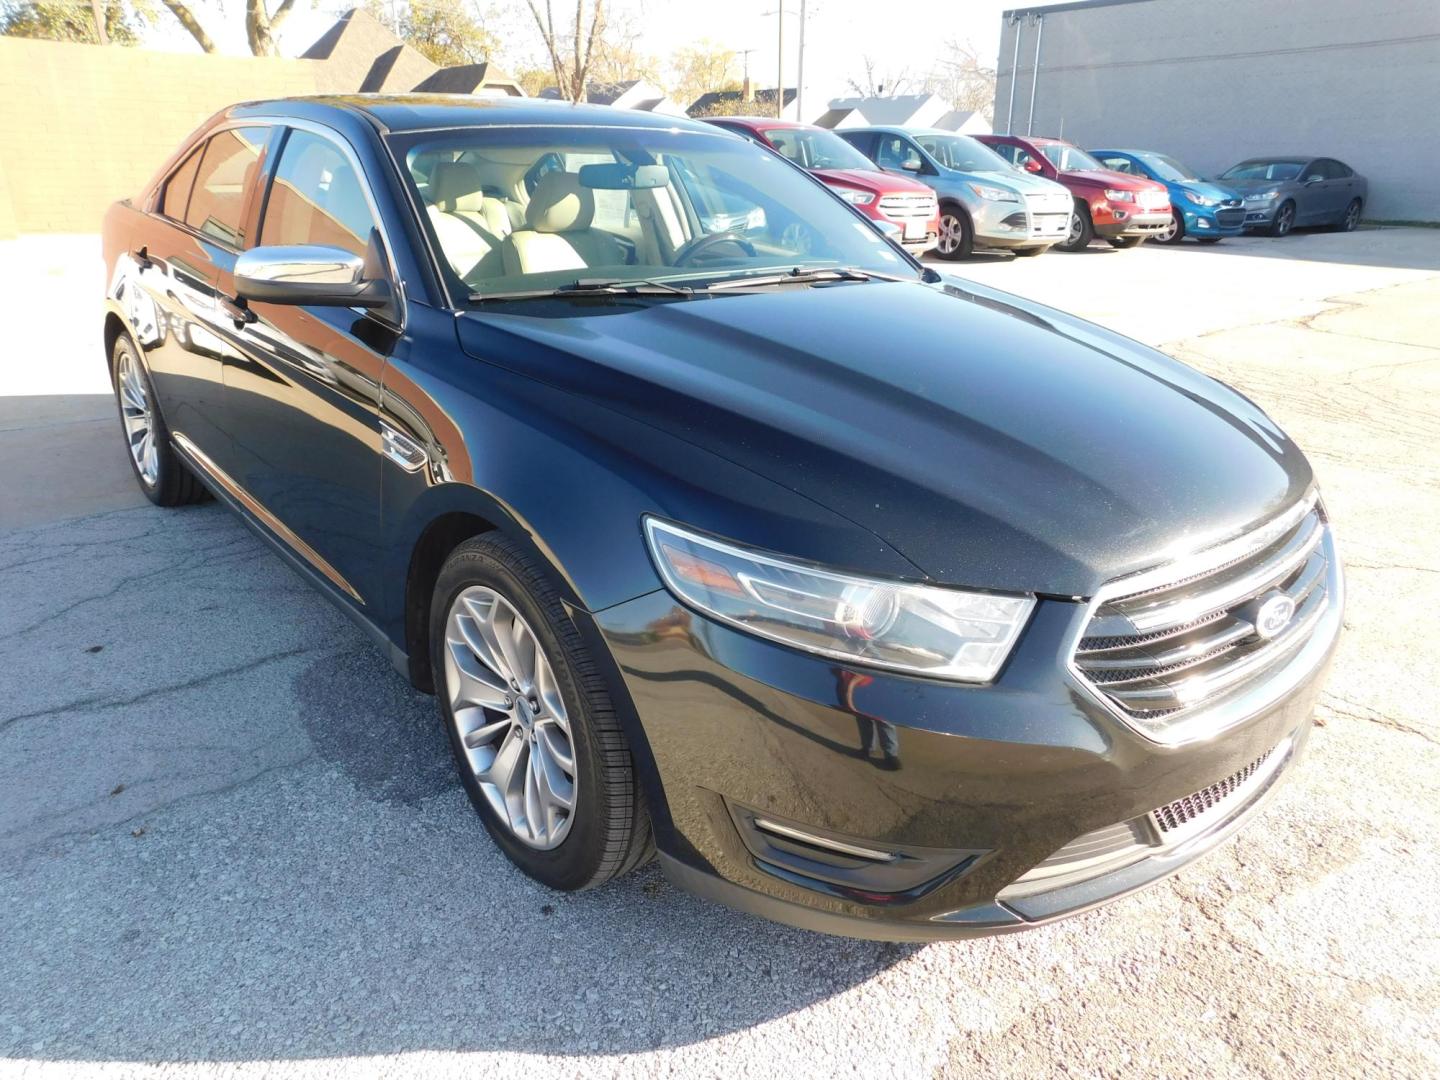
303 398
178 257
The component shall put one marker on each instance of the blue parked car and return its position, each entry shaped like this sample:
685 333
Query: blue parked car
1203 210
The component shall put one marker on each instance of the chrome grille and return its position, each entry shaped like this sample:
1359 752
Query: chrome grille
1049 204
1174 816
1187 637
907 206
1153 200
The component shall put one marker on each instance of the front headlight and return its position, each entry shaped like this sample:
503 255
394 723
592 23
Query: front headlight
1119 196
994 194
1199 200
919 629
856 198
1264 196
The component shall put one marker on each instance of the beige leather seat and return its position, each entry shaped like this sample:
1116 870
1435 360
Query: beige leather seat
557 233
468 224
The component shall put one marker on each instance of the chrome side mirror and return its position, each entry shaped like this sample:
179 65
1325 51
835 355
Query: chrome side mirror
308 274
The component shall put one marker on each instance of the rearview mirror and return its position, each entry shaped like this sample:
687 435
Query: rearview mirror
620 177
308 274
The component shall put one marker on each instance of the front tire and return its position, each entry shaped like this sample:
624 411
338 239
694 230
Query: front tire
1082 230
957 237
1174 233
161 474
1284 219
531 725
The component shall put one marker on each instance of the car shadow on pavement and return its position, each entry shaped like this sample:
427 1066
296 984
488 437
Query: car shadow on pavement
291 869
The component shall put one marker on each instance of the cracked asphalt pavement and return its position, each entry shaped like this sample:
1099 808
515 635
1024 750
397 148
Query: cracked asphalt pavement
231 842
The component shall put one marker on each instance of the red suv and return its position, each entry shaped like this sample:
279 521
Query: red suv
903 202
1122 208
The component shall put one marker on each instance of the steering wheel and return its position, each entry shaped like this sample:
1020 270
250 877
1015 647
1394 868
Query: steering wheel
700 244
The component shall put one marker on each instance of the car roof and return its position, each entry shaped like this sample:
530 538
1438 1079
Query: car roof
1279 159
420 112
756 123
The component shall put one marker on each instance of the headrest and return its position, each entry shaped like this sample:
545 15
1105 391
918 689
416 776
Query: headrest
560 204
456 185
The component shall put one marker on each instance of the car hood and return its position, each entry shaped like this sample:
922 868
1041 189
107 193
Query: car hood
869 180
1117 180
1208 190
991 442
1021 181
1244 187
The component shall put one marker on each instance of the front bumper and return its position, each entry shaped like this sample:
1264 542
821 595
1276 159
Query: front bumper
1127 222
1259 215
1211 220
969 788
1025 224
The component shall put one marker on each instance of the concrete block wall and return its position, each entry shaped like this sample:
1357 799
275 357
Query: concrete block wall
1216 82
84 125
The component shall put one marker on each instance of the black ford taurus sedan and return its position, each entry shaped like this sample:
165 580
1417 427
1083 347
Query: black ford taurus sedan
873 603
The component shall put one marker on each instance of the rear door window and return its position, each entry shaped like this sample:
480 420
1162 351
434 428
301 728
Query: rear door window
228 169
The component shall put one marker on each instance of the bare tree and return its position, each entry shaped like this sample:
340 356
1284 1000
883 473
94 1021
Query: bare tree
876 83
570 61
262 25
961 78
187 19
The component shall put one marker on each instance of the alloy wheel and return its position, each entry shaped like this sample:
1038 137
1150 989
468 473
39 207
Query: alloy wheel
510 717
1167 234
1352 216
1284 220
952 234
139 421
1073 236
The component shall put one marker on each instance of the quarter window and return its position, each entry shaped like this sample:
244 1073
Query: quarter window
228 168
317 198
176 194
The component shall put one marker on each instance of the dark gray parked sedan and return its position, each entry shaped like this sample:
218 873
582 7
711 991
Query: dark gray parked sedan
1282 192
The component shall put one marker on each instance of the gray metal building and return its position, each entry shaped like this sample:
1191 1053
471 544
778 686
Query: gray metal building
1216 81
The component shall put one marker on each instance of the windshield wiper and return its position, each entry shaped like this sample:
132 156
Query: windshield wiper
592 287
808 275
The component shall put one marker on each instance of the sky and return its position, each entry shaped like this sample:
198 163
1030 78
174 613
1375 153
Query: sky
839 34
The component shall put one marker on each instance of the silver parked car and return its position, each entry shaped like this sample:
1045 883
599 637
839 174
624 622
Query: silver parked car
985 202
1282 192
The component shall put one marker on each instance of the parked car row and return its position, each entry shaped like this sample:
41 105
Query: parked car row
1026 194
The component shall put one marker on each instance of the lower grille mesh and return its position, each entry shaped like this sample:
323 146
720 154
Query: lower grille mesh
1173 815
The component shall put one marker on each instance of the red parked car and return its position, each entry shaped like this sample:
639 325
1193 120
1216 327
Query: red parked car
899 200
1122 208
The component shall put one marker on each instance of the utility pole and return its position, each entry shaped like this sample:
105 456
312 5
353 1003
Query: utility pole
780 65
100 35
800 71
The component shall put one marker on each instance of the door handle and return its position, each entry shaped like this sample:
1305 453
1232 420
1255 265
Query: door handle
238 311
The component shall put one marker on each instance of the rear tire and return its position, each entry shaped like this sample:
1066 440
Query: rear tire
957 235
606 832
1350 218
1082 230
1124 242
162 476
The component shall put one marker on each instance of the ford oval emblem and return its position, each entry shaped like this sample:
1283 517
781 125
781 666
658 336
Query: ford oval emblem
1273 616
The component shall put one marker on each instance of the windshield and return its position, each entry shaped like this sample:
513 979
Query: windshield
818 149
1069 158
1263 170
962 153
1167 168
536 208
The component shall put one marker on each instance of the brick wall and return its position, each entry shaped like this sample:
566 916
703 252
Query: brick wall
84 125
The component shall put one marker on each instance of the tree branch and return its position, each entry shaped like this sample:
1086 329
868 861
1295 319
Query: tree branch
191 24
